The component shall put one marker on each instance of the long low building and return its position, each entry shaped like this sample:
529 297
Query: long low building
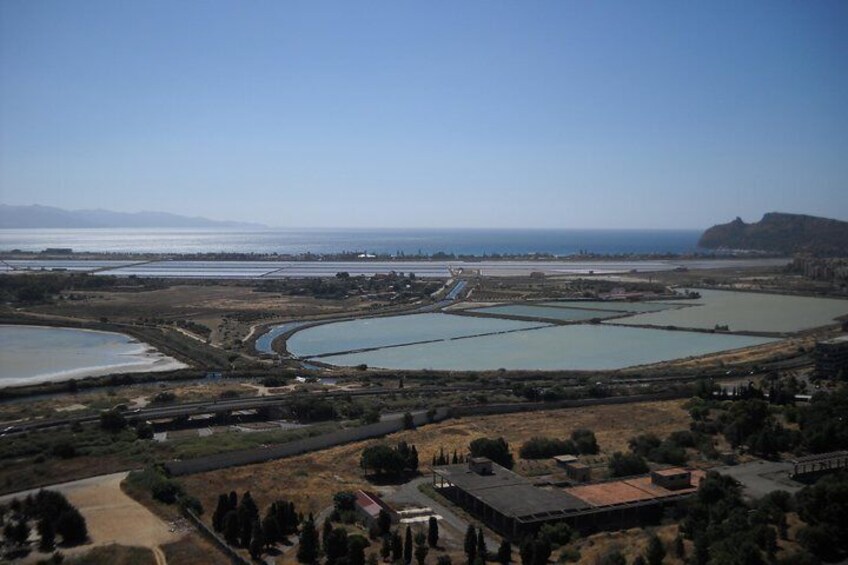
511 505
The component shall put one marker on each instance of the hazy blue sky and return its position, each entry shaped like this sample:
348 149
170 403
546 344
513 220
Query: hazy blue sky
481 114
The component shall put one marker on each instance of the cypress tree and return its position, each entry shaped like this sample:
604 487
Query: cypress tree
220 511
397 546
231 527
270 529
384 522
526 552
407 546
307 551
482 551
505 552
421 549
257 542
386 548
433 531
470 544
326 533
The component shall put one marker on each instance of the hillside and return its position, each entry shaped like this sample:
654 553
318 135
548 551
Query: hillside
35 217
781 233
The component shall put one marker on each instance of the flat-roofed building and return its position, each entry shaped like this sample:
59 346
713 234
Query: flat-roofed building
513 506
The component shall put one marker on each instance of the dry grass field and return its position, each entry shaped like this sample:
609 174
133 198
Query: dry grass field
310 480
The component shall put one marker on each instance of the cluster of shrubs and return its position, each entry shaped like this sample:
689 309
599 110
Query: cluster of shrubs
168 491
747 418
390 462
725 529
582 442
495 449
53 516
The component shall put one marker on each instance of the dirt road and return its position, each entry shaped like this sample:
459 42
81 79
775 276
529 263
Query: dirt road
111 515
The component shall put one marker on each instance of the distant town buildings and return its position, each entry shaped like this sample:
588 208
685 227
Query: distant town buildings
831 357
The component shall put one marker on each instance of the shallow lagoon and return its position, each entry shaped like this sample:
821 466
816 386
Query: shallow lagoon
35 353
575 347
747 311
394 330
546 312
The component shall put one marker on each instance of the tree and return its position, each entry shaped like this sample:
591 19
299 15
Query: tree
540 447
407 546
46 533
326 532
585 441
397 546
231 527
504 556
307 550
270 529
541 551
433 531
220 511
112 421
17 533
257 541
626 464
384 522
421 548
408 421
495 449
482 550
383 460
386 548
470 544
335 545
525 550
344 501
656 550
144 431
444 560
72 527
356 545
248 515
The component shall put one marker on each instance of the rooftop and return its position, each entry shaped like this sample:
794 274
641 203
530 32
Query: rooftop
630 490
509 493
671 472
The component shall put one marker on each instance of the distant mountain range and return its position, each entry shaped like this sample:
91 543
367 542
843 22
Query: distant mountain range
36 216
781 233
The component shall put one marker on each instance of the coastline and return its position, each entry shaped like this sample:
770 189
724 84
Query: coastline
142 358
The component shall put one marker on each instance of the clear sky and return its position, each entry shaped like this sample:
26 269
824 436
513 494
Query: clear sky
428 114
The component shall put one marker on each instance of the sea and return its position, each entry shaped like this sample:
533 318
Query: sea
479 242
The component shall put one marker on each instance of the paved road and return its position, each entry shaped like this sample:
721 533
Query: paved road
762 477
408 494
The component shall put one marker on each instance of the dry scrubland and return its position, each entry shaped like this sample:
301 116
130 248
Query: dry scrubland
310 480
226 309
